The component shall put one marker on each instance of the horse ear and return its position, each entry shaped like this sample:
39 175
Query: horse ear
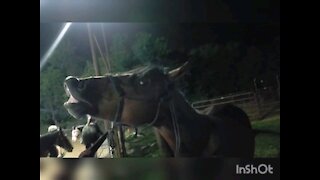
177 73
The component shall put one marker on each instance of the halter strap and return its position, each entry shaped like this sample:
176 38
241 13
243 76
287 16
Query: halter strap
162 97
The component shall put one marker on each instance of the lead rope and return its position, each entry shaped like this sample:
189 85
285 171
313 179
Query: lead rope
111 132
117 118
175 128
156 115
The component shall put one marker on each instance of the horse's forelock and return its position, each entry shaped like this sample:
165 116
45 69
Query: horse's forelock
52 128
142 70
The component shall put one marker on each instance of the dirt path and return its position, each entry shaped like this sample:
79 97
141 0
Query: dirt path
78 148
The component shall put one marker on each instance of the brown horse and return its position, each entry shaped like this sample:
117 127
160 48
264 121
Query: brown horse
148 95
50 140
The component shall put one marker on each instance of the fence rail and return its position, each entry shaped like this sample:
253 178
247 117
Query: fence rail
223 98
252 103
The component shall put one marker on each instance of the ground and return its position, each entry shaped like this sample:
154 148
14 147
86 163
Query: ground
267 145
78 148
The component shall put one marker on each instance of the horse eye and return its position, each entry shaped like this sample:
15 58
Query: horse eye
144 81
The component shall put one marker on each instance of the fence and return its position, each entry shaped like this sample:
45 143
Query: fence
257 105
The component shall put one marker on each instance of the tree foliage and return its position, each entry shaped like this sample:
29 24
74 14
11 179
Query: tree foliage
217 68
62 63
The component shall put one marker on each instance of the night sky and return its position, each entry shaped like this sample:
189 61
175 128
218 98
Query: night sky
185 35
245 21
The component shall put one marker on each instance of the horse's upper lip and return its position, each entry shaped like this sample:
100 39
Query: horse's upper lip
74 96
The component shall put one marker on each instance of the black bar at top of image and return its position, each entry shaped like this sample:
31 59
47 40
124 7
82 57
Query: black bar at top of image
159 11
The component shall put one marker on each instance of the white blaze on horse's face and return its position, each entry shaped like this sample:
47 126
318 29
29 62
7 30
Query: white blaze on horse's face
75 134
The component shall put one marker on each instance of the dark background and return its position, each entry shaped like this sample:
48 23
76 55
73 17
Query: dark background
241 12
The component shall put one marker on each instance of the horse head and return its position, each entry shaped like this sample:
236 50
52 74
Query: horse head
63 141
138 93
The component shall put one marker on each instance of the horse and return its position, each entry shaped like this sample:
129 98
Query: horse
149 95
50 140
76 132
94 142
92 150
90 133
57 151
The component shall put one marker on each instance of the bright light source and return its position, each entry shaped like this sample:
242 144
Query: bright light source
46 56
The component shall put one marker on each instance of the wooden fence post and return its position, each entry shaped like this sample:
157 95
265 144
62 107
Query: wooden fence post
278 83
123 151
117 137
93 53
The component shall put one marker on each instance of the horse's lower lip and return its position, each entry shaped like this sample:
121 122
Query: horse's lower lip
72 100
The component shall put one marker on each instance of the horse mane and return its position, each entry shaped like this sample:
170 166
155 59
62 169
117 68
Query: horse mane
139 70
48 134
183 104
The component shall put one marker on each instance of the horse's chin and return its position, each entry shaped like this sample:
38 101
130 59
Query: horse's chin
78 107
79 110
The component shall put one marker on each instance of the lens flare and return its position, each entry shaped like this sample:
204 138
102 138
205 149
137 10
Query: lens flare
45 58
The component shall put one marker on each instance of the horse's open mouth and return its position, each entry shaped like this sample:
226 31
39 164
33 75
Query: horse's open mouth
77 106
77 110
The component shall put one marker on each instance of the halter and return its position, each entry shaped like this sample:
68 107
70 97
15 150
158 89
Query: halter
162 97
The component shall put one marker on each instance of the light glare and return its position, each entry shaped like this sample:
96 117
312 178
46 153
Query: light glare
45 58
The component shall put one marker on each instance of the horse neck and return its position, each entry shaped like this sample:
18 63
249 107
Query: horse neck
186 117
184 111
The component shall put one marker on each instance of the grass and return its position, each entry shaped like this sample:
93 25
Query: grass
267 145
143 146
